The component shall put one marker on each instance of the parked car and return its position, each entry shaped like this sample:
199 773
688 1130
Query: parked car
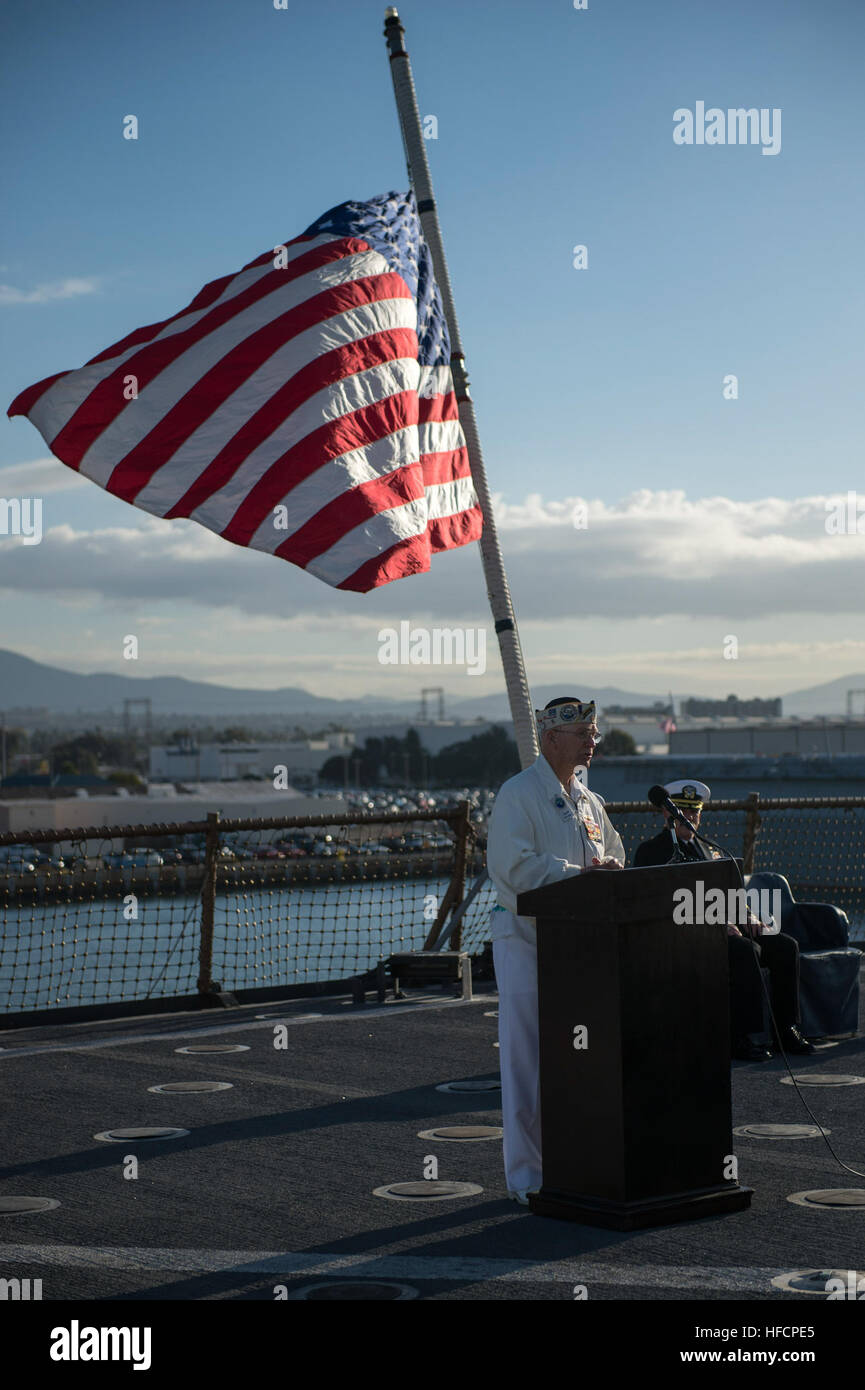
43 860
16 852
171 856
395 844
77 860
12 863
294 846
416 841
191 854
120 859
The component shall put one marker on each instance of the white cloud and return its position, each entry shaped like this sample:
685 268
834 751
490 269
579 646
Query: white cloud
754 660
39 477
657 554
70 288
651 556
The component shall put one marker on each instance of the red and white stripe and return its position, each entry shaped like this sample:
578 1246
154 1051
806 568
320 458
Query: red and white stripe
285 410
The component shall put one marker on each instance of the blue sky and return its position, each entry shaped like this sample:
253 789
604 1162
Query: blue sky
554 128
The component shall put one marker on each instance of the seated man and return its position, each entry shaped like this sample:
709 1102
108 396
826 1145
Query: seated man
778 953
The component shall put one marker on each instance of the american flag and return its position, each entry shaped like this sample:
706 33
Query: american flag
304 406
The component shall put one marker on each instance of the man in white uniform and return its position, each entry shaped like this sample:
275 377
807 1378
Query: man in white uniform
545 825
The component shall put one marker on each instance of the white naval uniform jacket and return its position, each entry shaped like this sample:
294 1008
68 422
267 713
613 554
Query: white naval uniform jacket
538 834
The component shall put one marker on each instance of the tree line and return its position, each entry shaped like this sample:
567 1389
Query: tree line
486 759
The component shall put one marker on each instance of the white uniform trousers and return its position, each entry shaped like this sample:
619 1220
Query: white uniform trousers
516 967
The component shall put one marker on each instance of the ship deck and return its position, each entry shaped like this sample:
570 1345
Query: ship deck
272 1190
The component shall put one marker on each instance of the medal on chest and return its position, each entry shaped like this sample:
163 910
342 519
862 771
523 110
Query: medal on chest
584 813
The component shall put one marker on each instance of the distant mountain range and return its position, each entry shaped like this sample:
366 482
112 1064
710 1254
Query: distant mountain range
829 698
28 684
496 706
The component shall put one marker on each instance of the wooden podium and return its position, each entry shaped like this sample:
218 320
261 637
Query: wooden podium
635 1112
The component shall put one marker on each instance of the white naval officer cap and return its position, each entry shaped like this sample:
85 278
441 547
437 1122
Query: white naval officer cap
688 792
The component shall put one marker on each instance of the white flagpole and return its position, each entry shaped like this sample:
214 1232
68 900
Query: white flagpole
494 569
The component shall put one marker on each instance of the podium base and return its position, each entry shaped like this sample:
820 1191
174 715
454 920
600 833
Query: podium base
652 1211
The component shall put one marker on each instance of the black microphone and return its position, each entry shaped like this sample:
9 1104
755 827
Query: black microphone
661 799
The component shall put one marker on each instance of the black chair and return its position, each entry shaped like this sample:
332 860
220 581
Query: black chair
829 965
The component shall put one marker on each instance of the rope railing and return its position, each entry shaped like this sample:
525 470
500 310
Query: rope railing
817 843
123 914
159 828
173 910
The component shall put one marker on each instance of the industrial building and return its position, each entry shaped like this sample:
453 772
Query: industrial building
229 762
233 800
775 738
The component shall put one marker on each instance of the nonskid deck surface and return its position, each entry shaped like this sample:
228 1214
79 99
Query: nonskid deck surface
273 1189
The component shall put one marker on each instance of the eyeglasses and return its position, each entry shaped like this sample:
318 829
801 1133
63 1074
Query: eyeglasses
592 734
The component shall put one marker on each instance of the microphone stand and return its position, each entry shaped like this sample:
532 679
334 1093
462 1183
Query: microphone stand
678 856
704 839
